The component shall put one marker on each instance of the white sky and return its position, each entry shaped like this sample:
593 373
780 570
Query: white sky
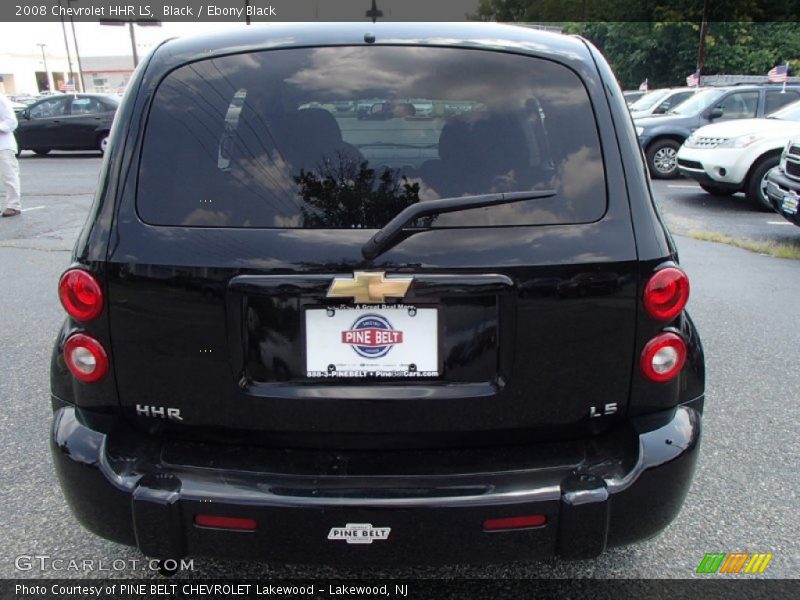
103 40
94 39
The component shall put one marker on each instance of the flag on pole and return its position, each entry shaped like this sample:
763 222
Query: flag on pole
693 79
643 86
778 74
67 86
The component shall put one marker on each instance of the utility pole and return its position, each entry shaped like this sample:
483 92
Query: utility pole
48 76
77 52
66 43
133 44
701 50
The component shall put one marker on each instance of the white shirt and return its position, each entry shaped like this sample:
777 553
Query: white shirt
8 123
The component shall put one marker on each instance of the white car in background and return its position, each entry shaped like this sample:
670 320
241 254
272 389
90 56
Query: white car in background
658 102
735 156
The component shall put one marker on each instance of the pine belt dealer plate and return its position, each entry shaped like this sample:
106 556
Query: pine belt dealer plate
372 341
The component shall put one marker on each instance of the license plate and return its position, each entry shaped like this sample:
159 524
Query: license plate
366 341
790 203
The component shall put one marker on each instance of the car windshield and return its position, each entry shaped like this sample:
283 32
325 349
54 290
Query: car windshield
348 137
649 100
699 102
790 112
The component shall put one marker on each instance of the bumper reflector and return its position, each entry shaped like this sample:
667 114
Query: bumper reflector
218 522
508 523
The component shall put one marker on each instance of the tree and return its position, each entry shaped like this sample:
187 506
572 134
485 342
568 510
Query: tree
659 41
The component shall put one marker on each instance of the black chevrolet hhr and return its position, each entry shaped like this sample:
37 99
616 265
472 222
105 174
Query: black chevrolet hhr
453 334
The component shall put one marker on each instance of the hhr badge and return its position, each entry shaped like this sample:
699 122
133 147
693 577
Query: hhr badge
359 533
369 288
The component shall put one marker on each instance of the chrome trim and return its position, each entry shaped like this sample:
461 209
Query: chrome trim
586 496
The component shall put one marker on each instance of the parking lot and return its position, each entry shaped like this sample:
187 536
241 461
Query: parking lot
743 498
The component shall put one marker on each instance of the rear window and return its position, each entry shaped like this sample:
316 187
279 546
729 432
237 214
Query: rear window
346 137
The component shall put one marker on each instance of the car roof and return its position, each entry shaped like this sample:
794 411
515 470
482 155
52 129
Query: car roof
513 38
77 95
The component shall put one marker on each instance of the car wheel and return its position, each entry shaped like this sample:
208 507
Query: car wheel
756 190
102 143
42 151
662 159
717 191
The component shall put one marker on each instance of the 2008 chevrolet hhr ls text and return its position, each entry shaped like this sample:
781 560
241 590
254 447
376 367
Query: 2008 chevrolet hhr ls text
375 293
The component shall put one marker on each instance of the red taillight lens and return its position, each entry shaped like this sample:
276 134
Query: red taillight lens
663 357
666 294
507 523
219 522
80 295
86 358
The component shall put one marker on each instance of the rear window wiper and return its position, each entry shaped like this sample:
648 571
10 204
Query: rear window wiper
390 233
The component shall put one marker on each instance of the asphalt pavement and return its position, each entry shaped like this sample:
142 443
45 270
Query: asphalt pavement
689 210
744 496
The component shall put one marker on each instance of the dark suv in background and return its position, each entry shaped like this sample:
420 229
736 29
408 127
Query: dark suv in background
783 183
662 135
309 337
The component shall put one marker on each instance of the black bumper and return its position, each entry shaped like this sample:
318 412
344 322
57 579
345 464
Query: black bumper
608 491
778 186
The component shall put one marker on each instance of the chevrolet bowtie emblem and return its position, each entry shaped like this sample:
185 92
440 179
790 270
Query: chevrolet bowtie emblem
369 288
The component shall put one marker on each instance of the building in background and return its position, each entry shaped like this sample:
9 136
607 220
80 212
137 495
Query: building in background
24 72
106 74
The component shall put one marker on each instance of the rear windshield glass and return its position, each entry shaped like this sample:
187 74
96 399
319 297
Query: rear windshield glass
346 137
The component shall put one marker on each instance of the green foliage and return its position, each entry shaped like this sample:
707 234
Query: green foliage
659 40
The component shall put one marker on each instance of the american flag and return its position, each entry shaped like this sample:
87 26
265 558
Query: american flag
779 74
643 86
67 87
693 79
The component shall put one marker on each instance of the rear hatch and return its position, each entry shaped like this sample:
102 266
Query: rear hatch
240 296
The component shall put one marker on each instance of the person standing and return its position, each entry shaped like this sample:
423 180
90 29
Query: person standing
9 167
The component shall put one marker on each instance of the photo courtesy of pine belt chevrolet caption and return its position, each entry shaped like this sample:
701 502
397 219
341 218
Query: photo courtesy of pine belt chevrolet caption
375 293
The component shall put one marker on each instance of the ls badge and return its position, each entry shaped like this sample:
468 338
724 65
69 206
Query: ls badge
359 533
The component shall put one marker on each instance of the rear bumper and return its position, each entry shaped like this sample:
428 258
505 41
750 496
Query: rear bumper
614 490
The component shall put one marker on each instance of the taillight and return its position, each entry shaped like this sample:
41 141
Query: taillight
86 358
663 357
80 295
666 294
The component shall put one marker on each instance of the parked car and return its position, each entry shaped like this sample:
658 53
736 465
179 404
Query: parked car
735 156
648 99
783 182
422 107
661 136
308 353
67 122
662 103
380 111
364 106
632 96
